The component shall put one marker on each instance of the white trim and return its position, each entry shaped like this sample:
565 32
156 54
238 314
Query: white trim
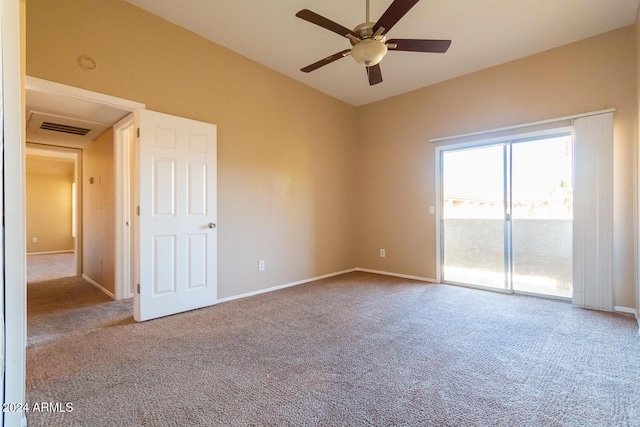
97 285
71 251
523 125
514 137
325 276
286 285
2 241
123 221
39 85
403 276
621 309
15 309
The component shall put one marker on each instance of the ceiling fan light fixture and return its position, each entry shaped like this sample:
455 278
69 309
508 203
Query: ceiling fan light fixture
369 52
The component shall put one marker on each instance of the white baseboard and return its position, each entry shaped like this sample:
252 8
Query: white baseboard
621 309
71 251
404 276
97 285
312 279
286 285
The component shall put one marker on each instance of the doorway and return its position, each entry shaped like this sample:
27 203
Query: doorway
52 206
64 116
507 215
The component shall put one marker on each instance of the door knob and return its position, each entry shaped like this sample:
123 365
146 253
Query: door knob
212 225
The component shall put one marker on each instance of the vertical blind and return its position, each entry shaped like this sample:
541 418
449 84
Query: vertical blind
593 212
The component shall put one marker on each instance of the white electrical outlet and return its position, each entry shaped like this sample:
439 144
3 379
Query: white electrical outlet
432 210
383 253
34 240
261 265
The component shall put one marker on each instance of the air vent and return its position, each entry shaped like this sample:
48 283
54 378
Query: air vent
53 129
58 127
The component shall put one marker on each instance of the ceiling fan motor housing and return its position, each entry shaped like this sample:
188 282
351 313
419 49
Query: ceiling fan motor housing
371 48
364 30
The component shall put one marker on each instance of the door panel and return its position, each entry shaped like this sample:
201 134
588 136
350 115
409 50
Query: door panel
542 215
473 216
197 260
164 265
164 187
197 188
178 238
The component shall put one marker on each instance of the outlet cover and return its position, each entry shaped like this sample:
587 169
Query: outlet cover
261 265
383 253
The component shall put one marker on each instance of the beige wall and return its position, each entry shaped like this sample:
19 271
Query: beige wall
285 151
637 164
396 160
313 185
98 245
49 212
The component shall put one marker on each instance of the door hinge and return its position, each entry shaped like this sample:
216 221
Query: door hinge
138 288
138 132
138 210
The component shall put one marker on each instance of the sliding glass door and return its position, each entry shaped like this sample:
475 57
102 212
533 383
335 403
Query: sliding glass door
542 215
506 215
473 212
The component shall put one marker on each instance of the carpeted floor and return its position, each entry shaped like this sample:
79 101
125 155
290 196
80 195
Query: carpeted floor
357 349
42 267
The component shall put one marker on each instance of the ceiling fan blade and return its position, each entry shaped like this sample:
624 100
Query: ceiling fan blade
393 14
414 45
323 22
375 74
325 61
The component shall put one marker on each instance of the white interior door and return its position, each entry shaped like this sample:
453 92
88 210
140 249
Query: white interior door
176 160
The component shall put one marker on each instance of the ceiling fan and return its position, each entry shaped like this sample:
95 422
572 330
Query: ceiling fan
369 40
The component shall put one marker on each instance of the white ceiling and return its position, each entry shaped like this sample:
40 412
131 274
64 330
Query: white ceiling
484 33
66 109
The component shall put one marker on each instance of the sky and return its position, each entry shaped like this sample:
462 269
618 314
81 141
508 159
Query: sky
539 168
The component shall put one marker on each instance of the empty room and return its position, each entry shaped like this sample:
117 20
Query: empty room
374 212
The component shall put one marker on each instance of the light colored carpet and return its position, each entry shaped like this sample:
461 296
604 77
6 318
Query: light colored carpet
42 267
357 349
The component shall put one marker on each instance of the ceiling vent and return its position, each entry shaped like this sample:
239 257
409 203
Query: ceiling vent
50 128
59 127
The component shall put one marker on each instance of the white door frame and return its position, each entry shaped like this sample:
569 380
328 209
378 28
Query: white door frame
2 337
123 140
14 211
121 161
